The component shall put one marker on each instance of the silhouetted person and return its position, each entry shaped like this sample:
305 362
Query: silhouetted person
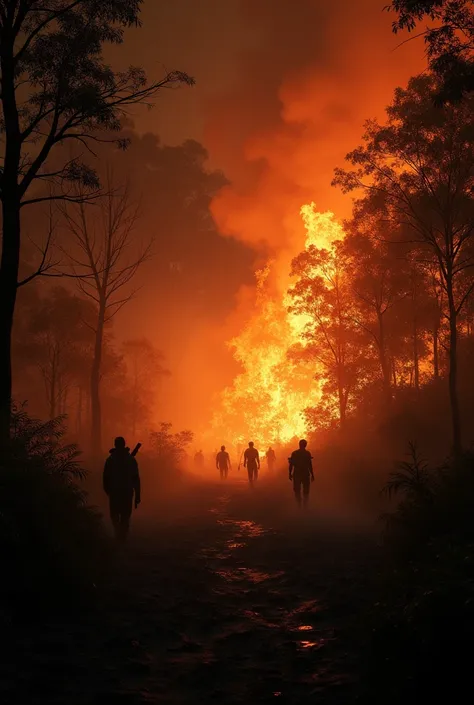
199 460
301 472
252 462
223 462
271 458
121 481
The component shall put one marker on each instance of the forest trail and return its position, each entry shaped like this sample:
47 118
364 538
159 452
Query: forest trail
220 599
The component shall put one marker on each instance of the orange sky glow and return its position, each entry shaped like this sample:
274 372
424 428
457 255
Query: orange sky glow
283 88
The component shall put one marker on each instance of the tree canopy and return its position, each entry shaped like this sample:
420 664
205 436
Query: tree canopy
449 41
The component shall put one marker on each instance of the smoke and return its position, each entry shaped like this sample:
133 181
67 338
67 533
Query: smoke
283 88
307 77
309 74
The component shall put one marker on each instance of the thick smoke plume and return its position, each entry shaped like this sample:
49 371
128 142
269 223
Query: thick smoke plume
283 88
310 74
306 81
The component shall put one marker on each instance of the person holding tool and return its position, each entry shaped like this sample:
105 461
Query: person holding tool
121 482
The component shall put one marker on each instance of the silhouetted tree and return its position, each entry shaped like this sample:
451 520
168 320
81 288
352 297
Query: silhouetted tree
115 390
415 317
450 40
55 88
58 342
104 269
145 365
377 281
169 447
435 314
176 187
418 170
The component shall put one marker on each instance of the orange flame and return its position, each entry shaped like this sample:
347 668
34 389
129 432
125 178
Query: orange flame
267 399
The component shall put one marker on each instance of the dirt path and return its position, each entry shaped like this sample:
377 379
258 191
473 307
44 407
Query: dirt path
220 603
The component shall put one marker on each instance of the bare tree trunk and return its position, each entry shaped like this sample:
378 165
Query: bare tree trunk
383 360
436 352
53 382
416 349
453 372
107 262
60 395
135 405
135 399
64 397
87 411
8 290
342 404
52 395
10 260
416 357
96 412
436 328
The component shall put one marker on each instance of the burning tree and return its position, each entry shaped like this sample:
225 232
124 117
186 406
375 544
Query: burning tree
268 399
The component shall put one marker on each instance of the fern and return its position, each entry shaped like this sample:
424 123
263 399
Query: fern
411 478
41 443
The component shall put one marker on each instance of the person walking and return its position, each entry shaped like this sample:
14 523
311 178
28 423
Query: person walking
223 463
121 482
199 460
271 459
252 462
301 472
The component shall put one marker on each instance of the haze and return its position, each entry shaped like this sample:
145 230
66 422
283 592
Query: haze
280 97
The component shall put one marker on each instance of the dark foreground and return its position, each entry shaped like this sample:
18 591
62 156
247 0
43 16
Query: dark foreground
224 597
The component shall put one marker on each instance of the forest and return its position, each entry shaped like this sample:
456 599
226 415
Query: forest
357 335
389 305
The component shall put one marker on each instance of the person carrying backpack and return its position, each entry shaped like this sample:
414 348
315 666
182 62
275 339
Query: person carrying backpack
121 481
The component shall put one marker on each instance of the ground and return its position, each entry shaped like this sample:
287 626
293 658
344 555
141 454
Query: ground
223 594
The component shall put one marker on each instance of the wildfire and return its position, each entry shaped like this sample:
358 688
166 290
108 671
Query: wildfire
267 400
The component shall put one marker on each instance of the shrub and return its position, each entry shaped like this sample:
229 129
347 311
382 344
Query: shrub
422 623
169 448
435 503
162 466
52 543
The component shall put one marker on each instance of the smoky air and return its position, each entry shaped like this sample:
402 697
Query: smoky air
236 346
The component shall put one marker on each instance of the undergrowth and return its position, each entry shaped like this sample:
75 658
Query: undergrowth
422 621
53 545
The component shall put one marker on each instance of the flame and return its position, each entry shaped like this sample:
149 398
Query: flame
266 401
